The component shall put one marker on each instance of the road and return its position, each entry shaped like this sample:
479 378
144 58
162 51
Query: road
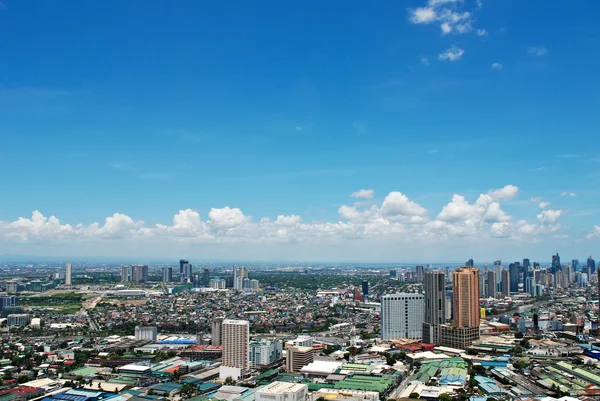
402 386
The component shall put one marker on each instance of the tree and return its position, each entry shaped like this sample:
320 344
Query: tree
446 397
519 335
229 381
188 389
414 396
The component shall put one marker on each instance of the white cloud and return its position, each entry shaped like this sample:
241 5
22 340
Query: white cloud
482 32
363 193
537 50
396 203
452 54
544 205
227 218
535 199
496 66
594 233
550 216
423 15
424 60
569 194
396 220
446 28
435 3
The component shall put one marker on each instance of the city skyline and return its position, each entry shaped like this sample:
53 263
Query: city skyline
409 131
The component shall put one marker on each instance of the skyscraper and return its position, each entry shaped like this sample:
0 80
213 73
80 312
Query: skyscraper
182 266
365 289
514 277
591 263
505 283
465 329
435 306
498 269
420 274
402 316
68 274
139 273
215 332
235 339
555 263
575 264
526 264
167 274
125 274
205 276
239 274
491 284
469 263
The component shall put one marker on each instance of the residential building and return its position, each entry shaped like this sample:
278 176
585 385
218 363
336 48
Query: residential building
465 328
125 274
185 270
298 357
235 336
254 285
491 286
498 269
68 274
8 301
420 274
18 319
555 263
435 306
265 352
167 274
591 264
505 283
215 332
139 273
402 316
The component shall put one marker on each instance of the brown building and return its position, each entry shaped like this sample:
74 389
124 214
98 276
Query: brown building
465 329
298 357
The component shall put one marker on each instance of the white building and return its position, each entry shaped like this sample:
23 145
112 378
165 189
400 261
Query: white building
254 285
265 352
235 338
402 316
331 394
68 274
301 341
148 333
282 391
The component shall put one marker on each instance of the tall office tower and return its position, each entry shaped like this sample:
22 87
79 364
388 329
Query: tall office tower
555 263
215 331
505 286
469 263
591 263
298 357
167 274
536 265
486 268
206 277
182 266
420 274
567 274
482 277
365 289
235 338
530 286
491 284
526 264
498 269
68 274
582 280
125 274
575 264
254 285
465 330
196 281
514 277
402 316
435 306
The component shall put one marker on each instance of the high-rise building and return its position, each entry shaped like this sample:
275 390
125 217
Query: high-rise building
505 283
183 265
239 274
498 269
235 337
125 274
469 263
206 277
147 333
491 284
467 313
526 264
8 301
591 263
420 274
139 273
435 306
575 264
365 289
555 263
482 284
215 332
254 285
167 274
265 352
298 357
68 274
402 316
514 277
218 283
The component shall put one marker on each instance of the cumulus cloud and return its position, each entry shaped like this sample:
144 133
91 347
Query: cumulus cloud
363 193
550 216
397 219
445 14
594 233
535 199
453 53
482 32
543 205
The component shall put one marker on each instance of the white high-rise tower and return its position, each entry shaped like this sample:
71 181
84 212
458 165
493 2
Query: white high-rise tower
68 274
235 338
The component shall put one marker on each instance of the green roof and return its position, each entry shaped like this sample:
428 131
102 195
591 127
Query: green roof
368 383
85 371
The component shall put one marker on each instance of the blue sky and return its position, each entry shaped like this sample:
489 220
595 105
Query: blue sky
285 108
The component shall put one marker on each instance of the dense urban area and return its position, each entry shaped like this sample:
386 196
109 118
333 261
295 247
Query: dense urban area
92 331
